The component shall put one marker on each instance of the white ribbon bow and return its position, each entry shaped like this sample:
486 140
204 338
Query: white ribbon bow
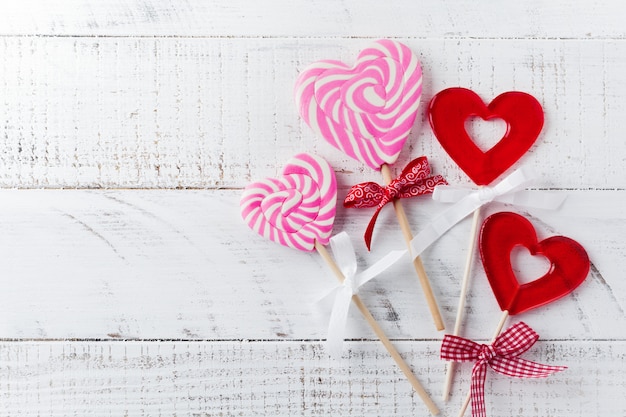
509 190
346 260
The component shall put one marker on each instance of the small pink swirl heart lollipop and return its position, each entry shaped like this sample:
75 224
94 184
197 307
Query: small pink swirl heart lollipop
297 209
367 110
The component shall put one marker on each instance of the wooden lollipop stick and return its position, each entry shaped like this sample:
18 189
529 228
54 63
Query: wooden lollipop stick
462 297
417 262
505 315
380 333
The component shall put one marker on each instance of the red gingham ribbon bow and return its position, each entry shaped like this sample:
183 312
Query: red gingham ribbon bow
414 180
501 356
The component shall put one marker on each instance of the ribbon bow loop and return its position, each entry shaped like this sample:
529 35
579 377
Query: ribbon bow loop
415 180
515 340
364 195
502 356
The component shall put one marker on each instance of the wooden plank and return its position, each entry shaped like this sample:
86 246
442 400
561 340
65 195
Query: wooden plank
181 264
288 378
211 113
283 18
160 94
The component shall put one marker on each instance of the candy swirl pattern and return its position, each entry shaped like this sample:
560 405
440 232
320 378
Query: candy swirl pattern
296 209
366 111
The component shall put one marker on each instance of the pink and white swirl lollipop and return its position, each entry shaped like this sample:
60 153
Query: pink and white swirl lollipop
367 111
297 209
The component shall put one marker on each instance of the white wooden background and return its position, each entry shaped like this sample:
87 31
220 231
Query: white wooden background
131 287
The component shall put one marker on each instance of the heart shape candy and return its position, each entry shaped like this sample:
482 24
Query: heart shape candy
296 209
451 108
365 111
500 233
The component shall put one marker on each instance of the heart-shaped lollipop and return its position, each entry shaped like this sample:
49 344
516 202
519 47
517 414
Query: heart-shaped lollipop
448 112
367 110
500 233
452 107
297 209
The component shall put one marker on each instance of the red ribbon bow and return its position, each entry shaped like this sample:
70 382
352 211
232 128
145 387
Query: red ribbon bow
414 180
501 356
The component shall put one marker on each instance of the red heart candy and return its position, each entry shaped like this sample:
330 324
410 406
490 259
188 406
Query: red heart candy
450 108
499 234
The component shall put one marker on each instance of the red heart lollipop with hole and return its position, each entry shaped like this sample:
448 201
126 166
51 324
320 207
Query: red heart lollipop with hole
500 234
452 107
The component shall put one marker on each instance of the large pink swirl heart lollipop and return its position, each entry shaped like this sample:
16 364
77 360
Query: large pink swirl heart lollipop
297 209
366 110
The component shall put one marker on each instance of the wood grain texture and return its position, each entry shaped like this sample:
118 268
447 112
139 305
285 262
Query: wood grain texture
578 19
290 378
211 113
181 264
153 301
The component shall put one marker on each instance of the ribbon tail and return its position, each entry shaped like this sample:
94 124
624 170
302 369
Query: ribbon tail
477 389
370 229
442 223
337 323
324 295
522 368
450 193
534 199
379 267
